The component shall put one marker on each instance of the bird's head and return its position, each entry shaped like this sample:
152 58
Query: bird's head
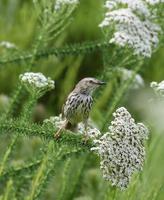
88 85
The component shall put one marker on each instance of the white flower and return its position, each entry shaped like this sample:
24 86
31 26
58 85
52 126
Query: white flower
36 83
126 74
158 88
133 25
60 3
58 122
7 45
121 149
138 6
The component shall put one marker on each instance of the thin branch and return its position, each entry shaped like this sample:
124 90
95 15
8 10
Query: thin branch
29 167
74 49
44 132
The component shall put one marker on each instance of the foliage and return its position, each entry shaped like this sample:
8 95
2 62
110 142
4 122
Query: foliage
34 165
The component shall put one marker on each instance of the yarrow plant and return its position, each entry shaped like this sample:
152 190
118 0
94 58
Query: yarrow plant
158 88
121 149
36 83
133 25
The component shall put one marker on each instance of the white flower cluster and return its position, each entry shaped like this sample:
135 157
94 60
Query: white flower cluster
36 83
58 122
60 3
158 88
121 149
133 25
126 74
7 45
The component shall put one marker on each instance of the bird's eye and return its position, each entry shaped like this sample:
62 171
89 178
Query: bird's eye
90 81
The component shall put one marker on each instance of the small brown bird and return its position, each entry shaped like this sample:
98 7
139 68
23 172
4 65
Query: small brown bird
78 104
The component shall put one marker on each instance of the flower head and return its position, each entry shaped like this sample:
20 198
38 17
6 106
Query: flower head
36 83
158 88
60 3
133 25
7 45
121 149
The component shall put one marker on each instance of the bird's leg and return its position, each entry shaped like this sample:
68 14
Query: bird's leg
58 133
85 131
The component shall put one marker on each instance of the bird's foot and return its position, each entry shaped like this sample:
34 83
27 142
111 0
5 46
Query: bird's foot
85 138
57 134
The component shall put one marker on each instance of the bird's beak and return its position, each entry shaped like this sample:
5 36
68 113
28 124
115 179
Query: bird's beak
101 83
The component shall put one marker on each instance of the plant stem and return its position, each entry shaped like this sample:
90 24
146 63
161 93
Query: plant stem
74 49
25 116
46 167
9 193
28 108
7 154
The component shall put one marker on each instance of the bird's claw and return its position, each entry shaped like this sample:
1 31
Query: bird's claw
85 139
57 134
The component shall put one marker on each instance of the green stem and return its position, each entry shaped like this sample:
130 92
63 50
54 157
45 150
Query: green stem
18 93
64 179
25 116
76 180
28 108
13 102
9 193
45 133
76 49
111 193
29 167
16 171
7 154
118 96
46 167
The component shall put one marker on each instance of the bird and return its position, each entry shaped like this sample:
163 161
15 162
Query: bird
78 105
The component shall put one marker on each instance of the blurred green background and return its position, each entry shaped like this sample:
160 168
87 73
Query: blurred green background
17 25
